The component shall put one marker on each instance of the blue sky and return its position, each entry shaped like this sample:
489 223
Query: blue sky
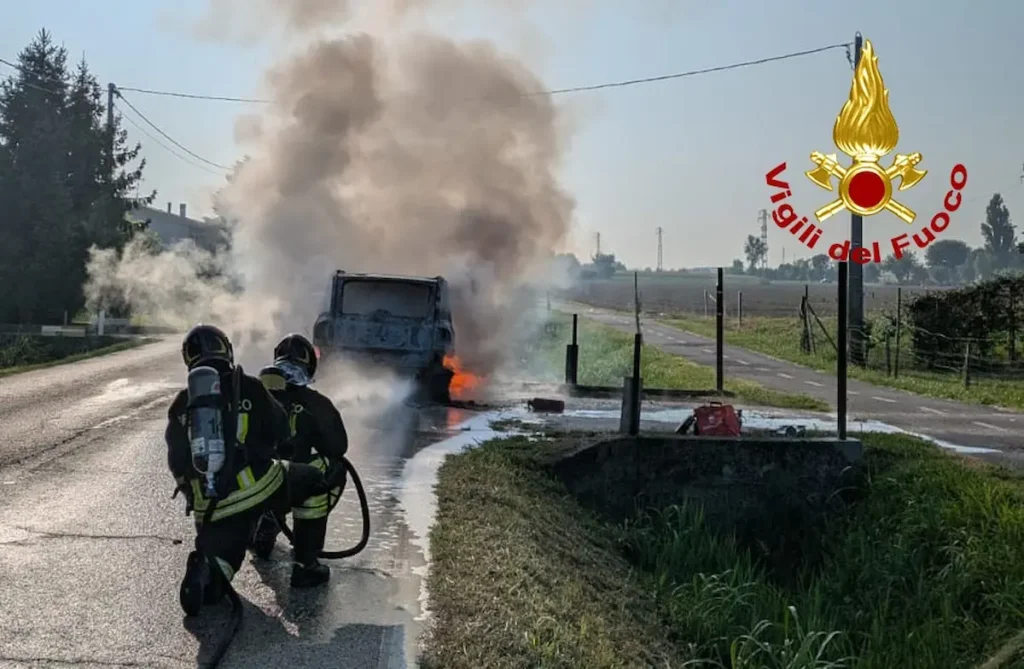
688 155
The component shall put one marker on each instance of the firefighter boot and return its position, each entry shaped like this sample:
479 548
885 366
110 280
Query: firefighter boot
309 574
197 577
265 537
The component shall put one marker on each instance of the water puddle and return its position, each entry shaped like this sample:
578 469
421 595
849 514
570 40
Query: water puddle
419 476
764 421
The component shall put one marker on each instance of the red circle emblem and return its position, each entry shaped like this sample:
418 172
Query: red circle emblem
867 190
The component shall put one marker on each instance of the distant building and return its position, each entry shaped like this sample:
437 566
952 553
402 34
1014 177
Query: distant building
171 227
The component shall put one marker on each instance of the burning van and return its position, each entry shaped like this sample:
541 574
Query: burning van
400 322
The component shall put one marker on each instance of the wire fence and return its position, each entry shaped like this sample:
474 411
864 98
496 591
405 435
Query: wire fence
799 322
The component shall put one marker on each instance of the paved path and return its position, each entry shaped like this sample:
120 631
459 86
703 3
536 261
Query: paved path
89 562
955 422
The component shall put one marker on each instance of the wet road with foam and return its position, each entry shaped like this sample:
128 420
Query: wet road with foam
92 547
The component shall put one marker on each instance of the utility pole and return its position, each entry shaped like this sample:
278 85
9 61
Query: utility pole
111 92
660 266
762 217
856 297
598 245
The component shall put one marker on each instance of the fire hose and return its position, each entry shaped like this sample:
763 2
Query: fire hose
236 602
364 507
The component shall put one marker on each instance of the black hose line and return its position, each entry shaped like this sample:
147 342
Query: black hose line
236 624
365 508
236 601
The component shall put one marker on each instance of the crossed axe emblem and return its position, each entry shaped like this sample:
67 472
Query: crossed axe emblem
903 166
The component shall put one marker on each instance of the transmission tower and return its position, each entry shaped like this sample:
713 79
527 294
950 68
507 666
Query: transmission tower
1022 175
762 216
660 266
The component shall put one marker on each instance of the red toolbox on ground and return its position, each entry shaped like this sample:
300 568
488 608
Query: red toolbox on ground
714 419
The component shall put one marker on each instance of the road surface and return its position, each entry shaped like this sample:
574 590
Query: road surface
90 559
954 422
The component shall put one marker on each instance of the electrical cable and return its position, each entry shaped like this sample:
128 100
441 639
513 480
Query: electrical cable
166 136
181 157
553 91
29 83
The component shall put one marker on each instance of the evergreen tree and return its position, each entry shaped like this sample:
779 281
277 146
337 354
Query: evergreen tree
65 180
998 231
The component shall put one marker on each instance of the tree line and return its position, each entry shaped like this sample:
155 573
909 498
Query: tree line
945 262
68 179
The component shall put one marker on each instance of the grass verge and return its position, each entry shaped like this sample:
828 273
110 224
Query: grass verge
522 576
606 356
780 337
76 357
926 570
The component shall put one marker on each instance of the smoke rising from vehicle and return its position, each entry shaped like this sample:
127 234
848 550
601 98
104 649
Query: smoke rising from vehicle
411 154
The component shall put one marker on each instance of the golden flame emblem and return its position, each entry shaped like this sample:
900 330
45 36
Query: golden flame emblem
866 130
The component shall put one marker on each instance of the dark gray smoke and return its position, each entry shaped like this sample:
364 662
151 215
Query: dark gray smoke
410 155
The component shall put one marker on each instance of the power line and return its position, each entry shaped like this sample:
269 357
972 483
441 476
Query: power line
691 73
192 96
29 83
553 91
166 136
167 148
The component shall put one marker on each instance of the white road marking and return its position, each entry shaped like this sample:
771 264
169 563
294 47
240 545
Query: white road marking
814 383
763 369
934 411
742 362
853 392
987 426
785 376
883 399
707 350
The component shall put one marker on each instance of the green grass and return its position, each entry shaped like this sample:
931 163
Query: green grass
521 576
95 353
926 570
780 337
606 356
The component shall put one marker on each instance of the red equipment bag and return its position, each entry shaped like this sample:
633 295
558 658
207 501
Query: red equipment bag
716 420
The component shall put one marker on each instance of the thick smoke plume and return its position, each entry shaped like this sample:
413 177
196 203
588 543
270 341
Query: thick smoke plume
406 155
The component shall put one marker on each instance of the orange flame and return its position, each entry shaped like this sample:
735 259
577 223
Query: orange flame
463 382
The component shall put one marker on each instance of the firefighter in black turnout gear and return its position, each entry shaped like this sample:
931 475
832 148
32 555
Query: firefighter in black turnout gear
319 439
222 436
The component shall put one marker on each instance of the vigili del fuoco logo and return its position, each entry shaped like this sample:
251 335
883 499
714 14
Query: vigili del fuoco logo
866 131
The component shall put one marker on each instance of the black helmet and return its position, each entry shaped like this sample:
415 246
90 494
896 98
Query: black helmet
206 343
297 350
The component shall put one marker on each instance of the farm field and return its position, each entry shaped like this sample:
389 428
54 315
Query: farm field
771 325
684 294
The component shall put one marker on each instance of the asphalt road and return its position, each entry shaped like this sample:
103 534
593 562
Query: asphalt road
953 422
92 547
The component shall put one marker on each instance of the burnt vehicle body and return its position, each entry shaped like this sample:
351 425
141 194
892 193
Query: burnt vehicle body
403 323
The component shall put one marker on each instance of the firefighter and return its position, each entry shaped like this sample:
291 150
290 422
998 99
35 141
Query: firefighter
319 439
247 426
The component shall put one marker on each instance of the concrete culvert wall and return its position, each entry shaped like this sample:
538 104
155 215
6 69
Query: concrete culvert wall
773 494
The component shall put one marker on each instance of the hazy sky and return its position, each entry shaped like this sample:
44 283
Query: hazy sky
688 155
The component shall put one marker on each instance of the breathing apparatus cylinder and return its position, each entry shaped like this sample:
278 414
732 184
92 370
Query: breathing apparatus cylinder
206 423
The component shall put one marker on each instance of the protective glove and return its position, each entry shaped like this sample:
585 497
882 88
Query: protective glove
335 475
186 490
286 449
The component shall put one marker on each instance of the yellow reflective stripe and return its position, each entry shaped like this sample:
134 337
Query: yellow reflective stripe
225 568
243 427
243 500
319 463
293 421
245 478
309 514
316 507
